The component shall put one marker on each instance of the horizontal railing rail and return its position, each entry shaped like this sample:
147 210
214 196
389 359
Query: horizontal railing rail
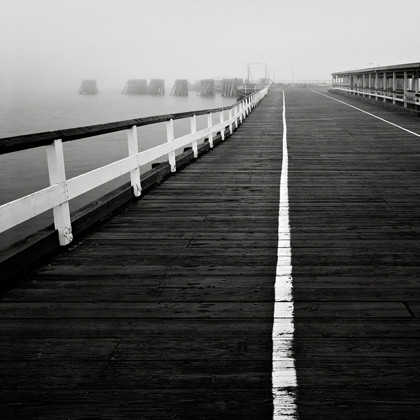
395 95
61 190
29 141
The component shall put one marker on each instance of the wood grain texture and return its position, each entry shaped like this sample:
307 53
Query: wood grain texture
166 311
353 193
151 315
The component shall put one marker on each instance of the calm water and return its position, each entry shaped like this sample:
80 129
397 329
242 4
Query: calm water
25 172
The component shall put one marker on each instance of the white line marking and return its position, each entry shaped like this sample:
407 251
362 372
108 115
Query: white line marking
284 374
372 115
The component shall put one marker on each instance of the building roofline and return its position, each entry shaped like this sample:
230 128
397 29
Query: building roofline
409 66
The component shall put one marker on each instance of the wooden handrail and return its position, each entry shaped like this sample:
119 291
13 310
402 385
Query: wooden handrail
61 190
29 141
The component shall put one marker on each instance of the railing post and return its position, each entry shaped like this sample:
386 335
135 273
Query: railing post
241 107
230 121
133 149
170 137
222 131
57 175
193 122
235 112
385 87
209 125
394 86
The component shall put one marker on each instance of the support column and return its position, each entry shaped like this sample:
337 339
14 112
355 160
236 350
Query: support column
394 86
405 89
363 84
385 87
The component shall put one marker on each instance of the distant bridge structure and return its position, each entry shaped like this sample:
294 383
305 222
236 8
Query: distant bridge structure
261 80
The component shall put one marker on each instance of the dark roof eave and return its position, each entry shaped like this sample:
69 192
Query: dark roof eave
402 67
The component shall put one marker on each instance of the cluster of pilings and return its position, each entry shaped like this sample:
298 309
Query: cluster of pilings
135 87
207 88
156 87
229 87
180 88
88 87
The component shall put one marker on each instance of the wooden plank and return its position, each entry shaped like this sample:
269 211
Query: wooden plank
153 375
173 347
163 404
132 327
170 309
211 291
307 328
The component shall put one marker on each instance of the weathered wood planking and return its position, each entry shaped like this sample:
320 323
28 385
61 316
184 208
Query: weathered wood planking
153 304
353 191
167 310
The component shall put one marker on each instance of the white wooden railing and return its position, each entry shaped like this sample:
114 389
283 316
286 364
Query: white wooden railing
385 94
62 190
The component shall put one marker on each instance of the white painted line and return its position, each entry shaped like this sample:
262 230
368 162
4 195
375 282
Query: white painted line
284 374
368 113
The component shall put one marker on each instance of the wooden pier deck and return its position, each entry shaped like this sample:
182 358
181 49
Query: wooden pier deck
166 311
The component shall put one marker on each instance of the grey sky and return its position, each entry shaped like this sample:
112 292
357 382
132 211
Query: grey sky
53 42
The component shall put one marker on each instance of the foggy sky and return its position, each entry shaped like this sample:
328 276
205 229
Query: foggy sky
56 43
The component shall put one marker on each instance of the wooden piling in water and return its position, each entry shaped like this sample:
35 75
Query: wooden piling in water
207 88
156 87
135 87
229 87
88 87
180 88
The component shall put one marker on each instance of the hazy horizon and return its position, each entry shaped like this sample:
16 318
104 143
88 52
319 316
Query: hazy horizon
54 44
